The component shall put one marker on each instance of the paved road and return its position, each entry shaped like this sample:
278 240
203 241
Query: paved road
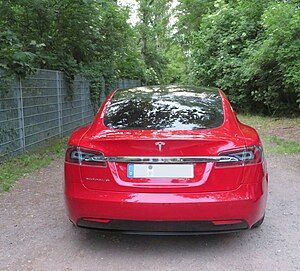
35 233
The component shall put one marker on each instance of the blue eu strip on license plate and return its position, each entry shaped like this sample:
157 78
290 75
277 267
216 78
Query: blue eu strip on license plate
130 172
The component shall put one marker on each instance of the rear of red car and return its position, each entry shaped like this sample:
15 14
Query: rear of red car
166 159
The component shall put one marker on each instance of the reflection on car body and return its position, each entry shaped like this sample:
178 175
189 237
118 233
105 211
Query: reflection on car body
166 159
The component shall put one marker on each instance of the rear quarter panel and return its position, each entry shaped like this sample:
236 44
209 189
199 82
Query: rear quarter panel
77 135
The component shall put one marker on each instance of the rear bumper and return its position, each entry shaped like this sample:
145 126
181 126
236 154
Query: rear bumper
168 211
164 227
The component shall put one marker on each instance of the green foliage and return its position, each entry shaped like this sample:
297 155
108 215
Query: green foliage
278 53
75 36
190 14
248 48
12 54
280 146
154 38
176 69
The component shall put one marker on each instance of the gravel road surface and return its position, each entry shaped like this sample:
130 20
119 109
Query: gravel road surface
36 234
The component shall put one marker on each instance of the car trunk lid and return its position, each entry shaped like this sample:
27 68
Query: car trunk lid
139 161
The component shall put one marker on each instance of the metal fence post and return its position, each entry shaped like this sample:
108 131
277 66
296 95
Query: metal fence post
82 99
102 93
59 105
21 114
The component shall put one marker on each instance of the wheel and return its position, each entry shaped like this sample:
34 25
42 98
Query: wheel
259 222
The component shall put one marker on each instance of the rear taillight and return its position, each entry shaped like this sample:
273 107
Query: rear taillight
82 156
242 156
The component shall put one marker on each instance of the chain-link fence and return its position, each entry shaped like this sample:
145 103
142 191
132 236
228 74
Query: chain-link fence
40 107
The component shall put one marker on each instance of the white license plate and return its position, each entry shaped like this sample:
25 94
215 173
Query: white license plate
160 171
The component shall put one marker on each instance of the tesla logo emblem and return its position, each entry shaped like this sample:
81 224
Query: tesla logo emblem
159 145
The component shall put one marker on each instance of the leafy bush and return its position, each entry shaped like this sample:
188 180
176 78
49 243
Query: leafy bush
251 50
73 36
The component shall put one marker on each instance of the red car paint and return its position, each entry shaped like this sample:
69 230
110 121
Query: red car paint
217 194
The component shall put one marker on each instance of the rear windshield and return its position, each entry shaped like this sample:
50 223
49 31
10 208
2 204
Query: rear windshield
165 108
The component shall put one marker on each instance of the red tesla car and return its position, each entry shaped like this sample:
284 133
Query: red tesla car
166 160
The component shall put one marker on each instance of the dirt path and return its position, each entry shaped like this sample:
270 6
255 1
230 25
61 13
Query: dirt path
36 234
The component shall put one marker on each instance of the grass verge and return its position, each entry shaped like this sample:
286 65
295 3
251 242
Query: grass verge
279 135
277 145
13 169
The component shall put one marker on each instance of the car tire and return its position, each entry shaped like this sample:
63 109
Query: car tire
258 223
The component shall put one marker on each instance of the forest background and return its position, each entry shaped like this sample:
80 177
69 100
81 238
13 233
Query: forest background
249 48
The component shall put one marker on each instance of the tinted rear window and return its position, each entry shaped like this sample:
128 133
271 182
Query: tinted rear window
165 108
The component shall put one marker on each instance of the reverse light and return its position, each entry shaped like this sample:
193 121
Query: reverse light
243 156
83 156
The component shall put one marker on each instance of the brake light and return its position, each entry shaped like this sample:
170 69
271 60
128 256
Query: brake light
82 156
242 156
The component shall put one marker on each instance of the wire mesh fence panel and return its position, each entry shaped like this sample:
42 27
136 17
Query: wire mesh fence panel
76 110
123 83
42 106
128 83
10 125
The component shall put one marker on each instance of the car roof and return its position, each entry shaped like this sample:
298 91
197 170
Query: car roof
171 88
